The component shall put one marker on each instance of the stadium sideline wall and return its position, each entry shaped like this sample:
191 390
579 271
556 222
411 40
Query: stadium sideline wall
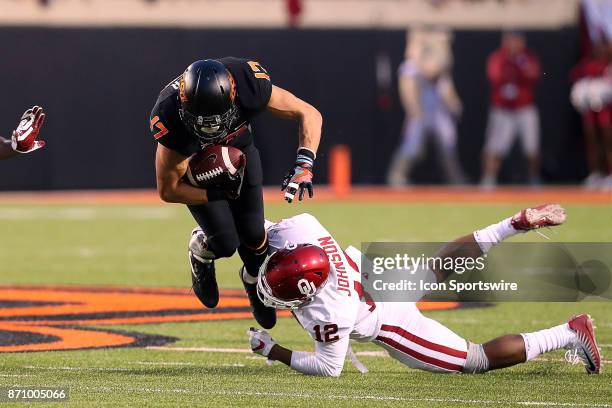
99 85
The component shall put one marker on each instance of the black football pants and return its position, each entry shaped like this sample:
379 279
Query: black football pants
232 225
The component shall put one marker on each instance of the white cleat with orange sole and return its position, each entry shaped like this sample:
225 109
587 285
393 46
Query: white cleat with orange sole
545 215
585 348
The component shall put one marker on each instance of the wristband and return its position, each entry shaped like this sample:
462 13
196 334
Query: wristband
305 157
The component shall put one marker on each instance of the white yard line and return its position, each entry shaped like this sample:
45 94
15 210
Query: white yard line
123 369
201 349
181 363
112 369
562 360
376 353
246 350
164 363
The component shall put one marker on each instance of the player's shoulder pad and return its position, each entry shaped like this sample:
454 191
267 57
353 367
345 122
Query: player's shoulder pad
253 83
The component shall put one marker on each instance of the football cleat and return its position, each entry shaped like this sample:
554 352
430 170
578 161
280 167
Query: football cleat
585 347
265 316
545 215
203 280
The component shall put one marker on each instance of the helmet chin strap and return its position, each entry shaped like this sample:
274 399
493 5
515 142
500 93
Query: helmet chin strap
355 361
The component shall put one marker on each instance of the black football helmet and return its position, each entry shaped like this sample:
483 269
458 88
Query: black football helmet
207 92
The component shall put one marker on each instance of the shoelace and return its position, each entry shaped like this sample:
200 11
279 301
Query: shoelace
548 229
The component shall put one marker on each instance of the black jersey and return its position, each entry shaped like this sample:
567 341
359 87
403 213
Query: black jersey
253 91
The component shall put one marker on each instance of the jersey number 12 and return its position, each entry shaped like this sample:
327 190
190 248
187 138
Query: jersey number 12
328 335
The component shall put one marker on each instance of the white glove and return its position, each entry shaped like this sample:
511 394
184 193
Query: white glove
261 341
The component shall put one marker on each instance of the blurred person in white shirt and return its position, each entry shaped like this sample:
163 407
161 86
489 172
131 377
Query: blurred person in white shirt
431 104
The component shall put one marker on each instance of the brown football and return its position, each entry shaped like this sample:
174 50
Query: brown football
215 166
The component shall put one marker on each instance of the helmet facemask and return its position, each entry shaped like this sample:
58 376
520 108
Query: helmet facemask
209 129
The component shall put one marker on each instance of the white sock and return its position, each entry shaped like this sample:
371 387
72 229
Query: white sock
547 340
494 234
248 278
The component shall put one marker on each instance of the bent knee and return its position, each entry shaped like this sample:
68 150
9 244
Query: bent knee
254 236
224 246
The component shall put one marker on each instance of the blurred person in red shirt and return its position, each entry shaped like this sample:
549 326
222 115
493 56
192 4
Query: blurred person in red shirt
592 97
513 71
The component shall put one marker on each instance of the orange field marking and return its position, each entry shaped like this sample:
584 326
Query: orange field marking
46 318
433 194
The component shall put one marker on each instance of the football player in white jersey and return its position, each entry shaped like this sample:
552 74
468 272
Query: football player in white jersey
312 276
23 139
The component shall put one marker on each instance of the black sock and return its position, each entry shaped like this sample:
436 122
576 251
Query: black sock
253 258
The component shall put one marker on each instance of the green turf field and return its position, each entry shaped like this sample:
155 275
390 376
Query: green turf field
146 246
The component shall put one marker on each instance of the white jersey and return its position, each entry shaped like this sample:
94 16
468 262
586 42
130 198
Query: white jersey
339 312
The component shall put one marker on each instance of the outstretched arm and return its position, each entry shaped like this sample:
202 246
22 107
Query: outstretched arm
6 150
479 242
327 360
463 247
286 105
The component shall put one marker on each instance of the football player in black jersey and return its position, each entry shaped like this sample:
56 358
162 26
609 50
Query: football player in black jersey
23 139
212 102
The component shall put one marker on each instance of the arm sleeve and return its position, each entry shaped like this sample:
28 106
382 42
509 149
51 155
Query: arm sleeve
327 360
164 133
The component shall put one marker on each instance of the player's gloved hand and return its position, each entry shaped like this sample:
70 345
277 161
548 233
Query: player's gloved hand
299 179
235 185
24 137
230 191
261 342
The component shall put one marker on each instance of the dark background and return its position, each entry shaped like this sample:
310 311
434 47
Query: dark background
98 86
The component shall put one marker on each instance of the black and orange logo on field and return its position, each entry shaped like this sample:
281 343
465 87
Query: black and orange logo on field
45 318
